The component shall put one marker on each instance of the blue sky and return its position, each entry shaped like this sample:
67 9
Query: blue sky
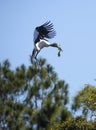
75 24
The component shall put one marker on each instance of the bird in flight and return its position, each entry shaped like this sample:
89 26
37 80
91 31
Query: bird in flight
41 34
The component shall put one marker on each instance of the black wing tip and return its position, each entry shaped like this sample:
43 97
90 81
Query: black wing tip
50 27
48 23
46 30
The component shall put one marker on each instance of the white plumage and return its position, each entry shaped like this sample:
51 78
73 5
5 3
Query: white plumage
40 33
41 44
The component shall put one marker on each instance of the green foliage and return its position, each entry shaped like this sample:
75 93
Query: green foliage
86 101
31 97
35 99
78 123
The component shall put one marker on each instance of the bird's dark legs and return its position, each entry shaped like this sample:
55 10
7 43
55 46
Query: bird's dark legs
37 61
34 56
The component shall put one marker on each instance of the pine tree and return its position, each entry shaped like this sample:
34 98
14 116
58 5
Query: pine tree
85 101
31 98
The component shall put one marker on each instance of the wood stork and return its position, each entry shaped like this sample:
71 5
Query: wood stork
40 33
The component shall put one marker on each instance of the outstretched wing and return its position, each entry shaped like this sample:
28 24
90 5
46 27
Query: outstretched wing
44 31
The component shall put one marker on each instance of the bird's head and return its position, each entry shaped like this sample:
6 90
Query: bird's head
59 48
56 45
